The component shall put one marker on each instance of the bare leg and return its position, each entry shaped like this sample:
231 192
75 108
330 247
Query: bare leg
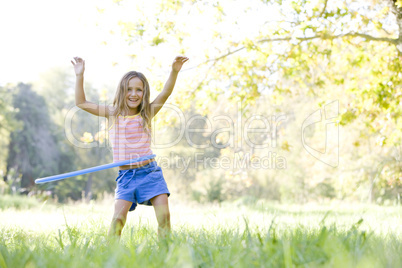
162 213
121 208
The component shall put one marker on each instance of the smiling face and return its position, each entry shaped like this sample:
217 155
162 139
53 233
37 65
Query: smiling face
134 95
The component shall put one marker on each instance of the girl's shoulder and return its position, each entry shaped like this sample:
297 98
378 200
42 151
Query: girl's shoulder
112 111
112 117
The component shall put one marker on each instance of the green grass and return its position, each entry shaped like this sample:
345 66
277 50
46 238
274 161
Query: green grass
263 235
17 202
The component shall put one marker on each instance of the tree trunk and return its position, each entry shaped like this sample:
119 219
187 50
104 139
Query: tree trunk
88 188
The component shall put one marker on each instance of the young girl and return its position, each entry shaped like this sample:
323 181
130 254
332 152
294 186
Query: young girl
130 136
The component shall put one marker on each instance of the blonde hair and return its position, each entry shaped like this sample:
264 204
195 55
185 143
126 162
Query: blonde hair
120 103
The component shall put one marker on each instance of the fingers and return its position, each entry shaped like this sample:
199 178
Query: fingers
181 59
78 60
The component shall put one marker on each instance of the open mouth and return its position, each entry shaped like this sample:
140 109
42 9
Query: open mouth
133 100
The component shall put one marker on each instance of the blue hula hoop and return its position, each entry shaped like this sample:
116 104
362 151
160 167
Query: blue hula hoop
92 169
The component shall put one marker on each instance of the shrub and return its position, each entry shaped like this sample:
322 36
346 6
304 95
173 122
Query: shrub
17 202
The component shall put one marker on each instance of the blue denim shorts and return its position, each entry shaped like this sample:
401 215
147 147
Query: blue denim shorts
139 185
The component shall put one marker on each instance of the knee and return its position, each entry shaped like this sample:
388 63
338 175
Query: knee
164 217
167 215
119 219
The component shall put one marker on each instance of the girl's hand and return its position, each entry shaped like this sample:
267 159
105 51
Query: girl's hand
79 66
178 63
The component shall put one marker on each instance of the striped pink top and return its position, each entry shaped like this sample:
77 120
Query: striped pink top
128 138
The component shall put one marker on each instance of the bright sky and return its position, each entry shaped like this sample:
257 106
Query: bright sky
37 35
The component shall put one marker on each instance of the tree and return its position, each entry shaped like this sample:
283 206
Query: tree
7 125
349 51
336 39
33 148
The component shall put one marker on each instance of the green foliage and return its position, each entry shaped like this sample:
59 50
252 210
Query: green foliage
57 87
311 52
8 124
18 202
33 148
388 181
209 186
308 48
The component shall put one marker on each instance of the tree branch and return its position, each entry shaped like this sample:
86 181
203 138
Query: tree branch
202 80
372 38
368 37
216 59
323 10
302 39
398 14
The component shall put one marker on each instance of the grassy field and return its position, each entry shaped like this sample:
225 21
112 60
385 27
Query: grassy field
227 235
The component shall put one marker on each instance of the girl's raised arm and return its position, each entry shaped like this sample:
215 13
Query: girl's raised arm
80 100
157 104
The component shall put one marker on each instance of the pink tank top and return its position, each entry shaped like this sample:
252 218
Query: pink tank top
128 138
